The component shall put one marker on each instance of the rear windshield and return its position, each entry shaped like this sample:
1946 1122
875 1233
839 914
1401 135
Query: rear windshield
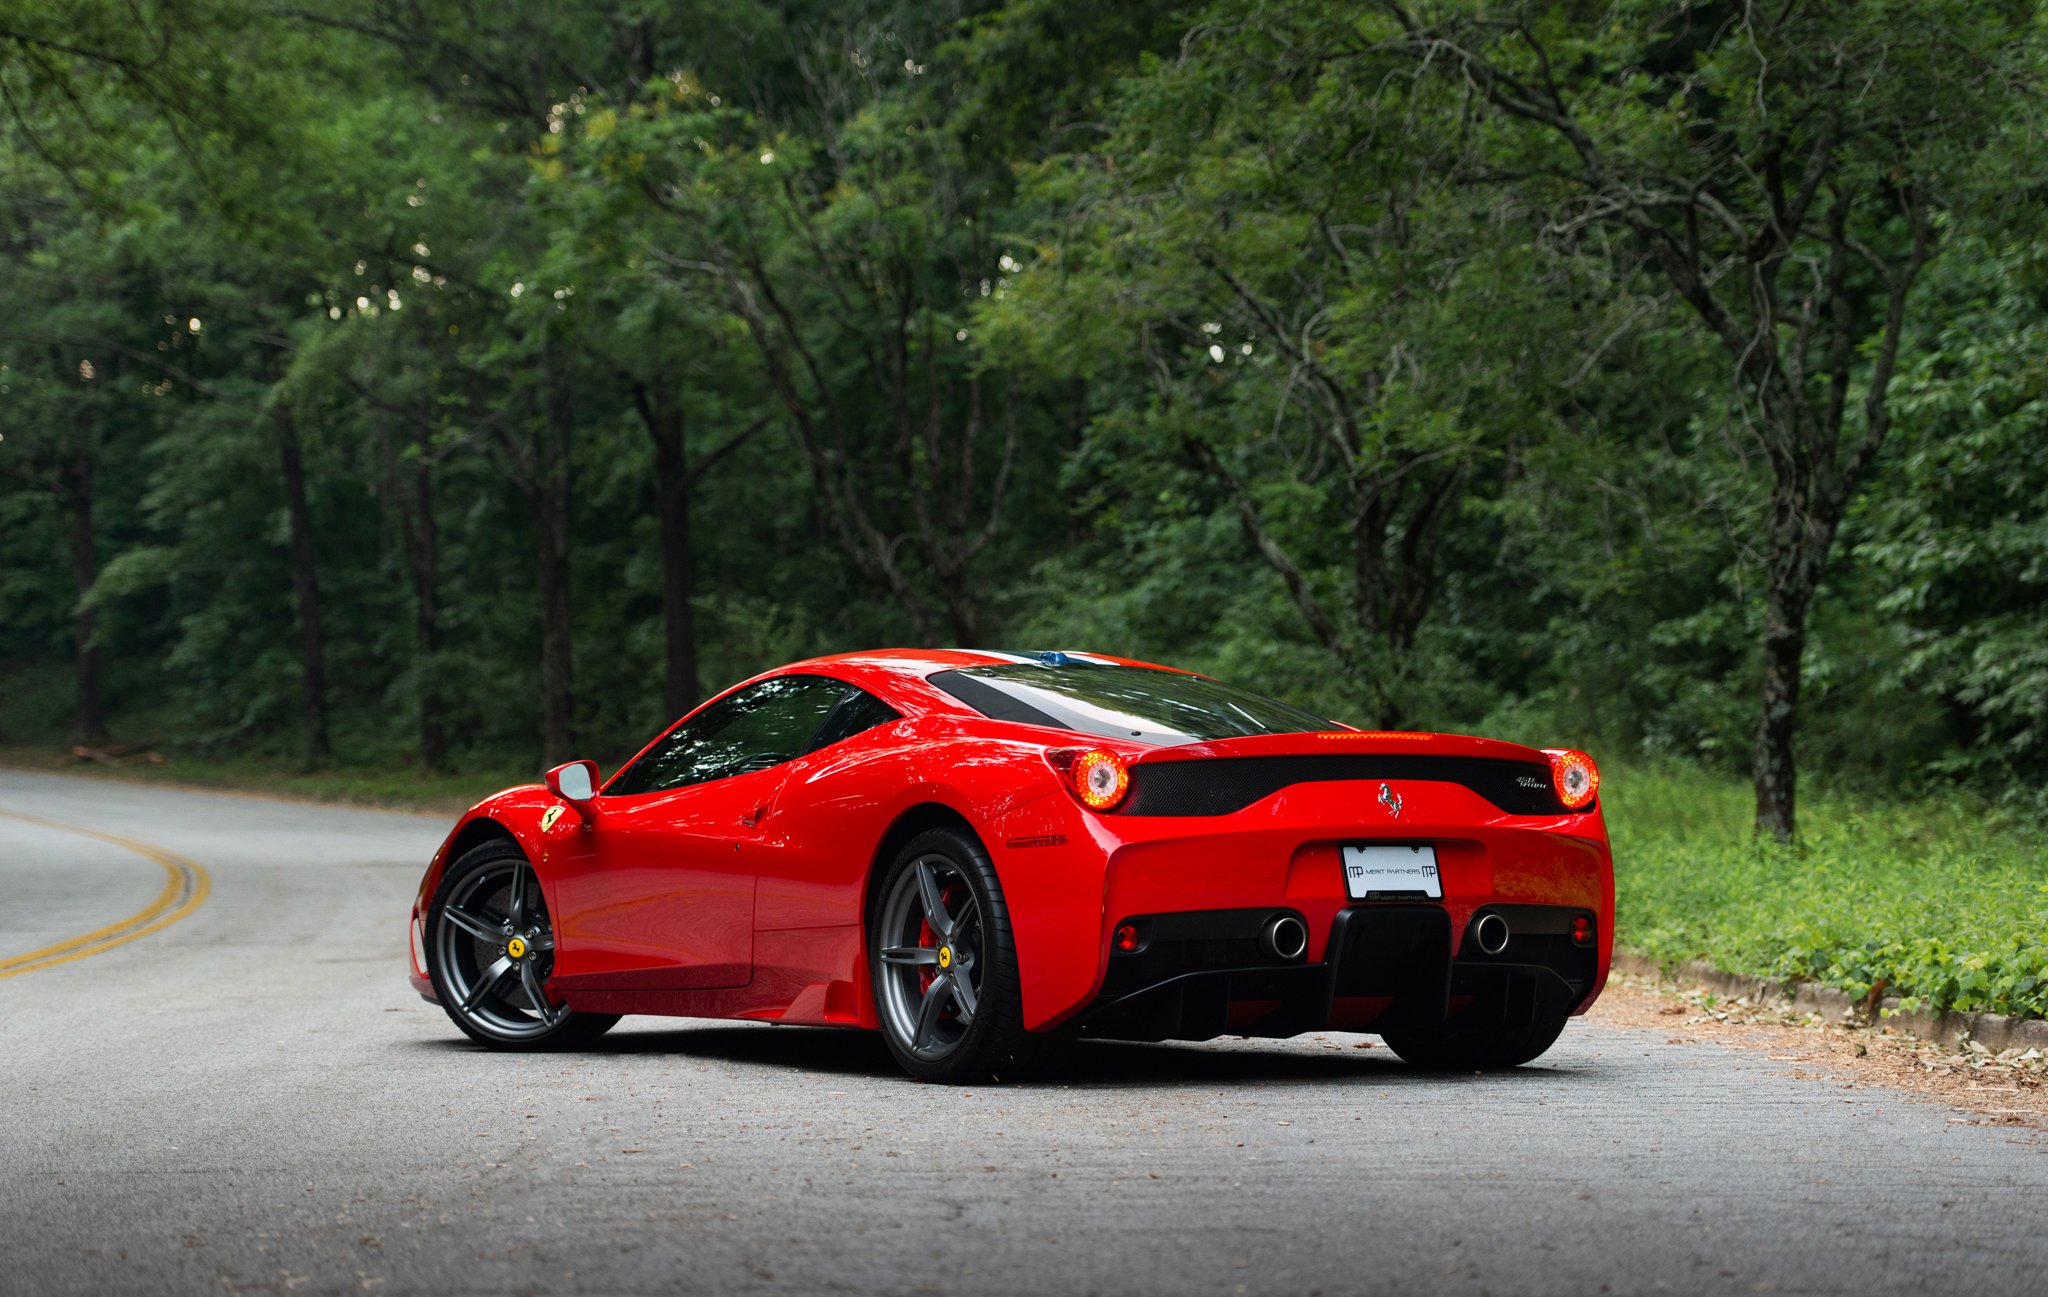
1140 703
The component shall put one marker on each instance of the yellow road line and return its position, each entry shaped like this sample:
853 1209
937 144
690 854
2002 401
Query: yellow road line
186 884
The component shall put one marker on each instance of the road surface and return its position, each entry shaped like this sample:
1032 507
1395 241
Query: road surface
247 1098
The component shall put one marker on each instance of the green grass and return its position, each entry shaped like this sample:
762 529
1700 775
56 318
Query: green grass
397 785
1944 900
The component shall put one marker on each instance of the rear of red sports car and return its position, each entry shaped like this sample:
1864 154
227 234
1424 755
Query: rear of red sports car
1452 894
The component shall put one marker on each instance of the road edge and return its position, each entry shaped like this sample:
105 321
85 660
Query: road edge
442 808
1995 1031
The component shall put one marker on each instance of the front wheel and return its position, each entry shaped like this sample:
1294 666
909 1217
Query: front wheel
944 965
490 950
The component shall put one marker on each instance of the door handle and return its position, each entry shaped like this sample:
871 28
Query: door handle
759 813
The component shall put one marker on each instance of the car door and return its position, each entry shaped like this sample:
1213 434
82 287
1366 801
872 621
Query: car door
660 893
828 815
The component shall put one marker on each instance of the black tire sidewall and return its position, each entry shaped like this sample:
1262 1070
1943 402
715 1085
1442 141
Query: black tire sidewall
987 1042
1454 1050
574 1028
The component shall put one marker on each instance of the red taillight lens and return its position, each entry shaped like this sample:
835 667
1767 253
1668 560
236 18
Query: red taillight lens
1576 779
1097 776
1582 931
1127 939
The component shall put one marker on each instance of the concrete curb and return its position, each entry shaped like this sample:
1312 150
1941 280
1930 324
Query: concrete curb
1994 1031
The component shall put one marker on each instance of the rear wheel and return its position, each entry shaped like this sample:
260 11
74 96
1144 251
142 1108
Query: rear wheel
490 950
944 965
1447 1048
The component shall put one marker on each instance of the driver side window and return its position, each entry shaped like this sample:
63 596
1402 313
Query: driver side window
762 726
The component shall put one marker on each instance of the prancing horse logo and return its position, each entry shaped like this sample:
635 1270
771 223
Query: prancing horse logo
1391 800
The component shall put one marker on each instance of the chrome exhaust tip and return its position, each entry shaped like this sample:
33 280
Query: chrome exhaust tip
1284 937
1491 932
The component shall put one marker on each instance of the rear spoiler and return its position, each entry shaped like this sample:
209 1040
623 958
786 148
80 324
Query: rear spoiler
1347 742
1227 776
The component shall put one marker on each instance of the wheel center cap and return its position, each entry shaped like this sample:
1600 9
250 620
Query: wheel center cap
945 956
516 947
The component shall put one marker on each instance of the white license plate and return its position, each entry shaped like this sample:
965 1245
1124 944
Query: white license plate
1391 871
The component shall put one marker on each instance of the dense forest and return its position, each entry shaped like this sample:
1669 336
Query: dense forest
464 382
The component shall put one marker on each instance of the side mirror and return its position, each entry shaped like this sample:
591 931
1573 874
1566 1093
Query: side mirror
574 782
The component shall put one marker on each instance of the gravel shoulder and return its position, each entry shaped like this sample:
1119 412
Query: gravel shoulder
2000 1088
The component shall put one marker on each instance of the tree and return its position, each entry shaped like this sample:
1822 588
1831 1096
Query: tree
851 268
1788 171
1960 545
1303 309
78 329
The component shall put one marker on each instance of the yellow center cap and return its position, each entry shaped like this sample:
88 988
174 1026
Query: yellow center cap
516 947
945 956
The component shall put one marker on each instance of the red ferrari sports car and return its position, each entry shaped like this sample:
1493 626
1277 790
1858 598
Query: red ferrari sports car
986 854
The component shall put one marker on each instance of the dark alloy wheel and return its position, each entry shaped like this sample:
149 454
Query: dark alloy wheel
945 967
490 949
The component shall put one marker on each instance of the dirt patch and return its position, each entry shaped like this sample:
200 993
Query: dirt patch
1989 1089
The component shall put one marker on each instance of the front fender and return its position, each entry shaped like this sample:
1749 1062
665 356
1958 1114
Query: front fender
514 813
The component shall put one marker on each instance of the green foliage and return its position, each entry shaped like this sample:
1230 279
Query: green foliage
1220 336
1943 900
1958 551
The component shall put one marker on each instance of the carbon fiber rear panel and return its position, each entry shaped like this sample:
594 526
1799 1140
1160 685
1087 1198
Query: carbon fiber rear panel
1227 784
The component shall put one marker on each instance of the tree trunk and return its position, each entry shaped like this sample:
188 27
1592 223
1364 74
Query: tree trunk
675 482
550 502
89 721
1777 774
1802 532
306 585
423 555
551 524
672 483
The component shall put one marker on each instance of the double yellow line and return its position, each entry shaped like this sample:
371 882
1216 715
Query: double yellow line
186 885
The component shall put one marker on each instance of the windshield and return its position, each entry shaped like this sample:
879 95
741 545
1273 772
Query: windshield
1142 703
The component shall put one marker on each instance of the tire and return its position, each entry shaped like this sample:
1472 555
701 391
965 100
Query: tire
488 902
1446 1049
944 966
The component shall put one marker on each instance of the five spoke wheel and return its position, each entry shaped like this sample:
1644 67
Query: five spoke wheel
943 960
492 949
932 979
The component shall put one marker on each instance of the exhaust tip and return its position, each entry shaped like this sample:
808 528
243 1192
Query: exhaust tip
1284 937
1491 932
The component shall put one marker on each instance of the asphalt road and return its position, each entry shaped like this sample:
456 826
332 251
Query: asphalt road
250 1099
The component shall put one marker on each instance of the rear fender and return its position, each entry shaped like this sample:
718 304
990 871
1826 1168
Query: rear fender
1052 857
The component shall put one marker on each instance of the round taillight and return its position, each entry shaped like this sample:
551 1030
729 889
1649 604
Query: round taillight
1582 930
1127 938
1576 779
1100 779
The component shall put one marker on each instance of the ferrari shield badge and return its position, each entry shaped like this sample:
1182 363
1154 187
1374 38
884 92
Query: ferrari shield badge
547 821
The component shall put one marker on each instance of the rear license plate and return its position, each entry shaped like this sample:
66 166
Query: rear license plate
1388 872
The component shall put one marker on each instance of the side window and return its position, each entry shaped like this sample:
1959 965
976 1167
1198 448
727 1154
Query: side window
759 727
857 713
